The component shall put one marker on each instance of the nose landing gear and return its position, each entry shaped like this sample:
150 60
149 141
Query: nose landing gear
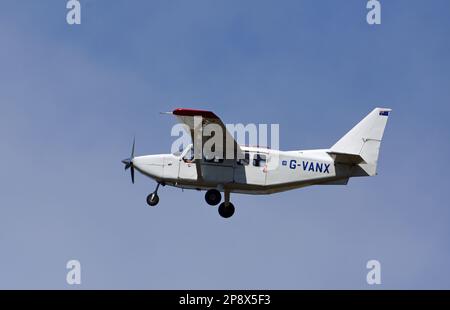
153 198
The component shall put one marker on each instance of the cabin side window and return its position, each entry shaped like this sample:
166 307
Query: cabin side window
259 160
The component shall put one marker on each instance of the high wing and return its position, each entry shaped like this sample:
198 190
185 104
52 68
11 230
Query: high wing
200 136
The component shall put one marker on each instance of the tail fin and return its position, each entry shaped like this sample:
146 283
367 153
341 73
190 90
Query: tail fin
364 140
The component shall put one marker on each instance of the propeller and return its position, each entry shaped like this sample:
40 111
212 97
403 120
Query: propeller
129 162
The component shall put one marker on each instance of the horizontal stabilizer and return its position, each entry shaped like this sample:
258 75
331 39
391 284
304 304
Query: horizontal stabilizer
345 158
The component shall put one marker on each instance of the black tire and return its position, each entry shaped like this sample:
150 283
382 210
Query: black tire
226 211
152 199
213 197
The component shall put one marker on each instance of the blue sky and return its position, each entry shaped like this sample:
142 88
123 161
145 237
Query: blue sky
72 97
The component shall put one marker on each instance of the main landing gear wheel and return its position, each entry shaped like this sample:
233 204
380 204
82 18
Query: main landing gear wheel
213 197
226 210
152 199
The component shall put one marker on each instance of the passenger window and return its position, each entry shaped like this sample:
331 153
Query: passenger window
259 160
244 161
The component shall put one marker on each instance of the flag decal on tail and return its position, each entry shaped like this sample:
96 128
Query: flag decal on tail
384 113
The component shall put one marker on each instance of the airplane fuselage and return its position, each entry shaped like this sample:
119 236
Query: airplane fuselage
263 171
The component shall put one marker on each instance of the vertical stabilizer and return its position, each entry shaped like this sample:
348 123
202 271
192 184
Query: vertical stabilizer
364 140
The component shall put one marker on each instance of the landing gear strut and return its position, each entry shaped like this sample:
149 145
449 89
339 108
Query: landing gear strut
153 198
226 208
213 197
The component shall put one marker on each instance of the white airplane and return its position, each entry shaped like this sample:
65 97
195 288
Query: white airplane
260 170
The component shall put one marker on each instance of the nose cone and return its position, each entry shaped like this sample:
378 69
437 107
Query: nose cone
151 166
